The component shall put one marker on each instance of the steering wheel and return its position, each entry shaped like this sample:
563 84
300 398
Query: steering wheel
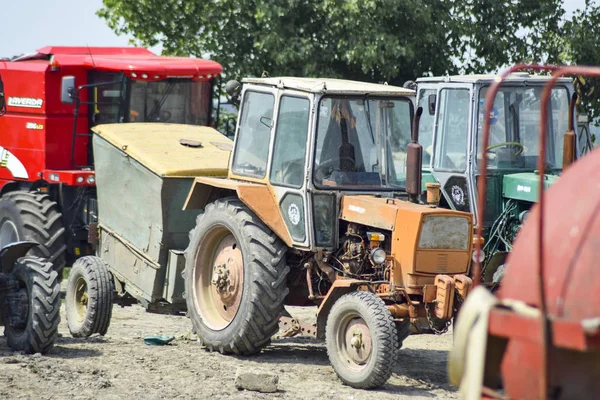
516 144
329 163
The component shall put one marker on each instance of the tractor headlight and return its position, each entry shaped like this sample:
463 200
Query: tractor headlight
378 255
91 179
481 256
445 232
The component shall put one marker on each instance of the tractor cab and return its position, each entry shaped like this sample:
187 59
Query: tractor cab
451 132
331 138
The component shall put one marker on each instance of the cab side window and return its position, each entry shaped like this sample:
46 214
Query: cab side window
252 148
289 150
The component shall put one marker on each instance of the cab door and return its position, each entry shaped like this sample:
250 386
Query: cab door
451 155
287 171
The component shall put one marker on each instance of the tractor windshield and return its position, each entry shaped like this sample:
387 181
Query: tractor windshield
514 127
361 143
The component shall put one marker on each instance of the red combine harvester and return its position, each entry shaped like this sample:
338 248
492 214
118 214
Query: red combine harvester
47 181
539 337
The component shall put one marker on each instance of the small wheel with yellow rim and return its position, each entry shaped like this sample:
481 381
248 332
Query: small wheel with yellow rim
89 297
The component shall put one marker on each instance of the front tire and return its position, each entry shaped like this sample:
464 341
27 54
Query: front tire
89 298
362 340
235 279
40 292
34 216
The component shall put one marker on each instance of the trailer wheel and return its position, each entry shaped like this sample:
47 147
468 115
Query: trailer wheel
89 298
39 302
34 216
235 279
362 340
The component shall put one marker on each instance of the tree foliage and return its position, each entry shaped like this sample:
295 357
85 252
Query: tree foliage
581 38
374 40
371 40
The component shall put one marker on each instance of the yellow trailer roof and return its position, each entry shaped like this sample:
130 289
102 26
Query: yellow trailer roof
158 146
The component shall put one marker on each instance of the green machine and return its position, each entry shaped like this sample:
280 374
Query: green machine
451 131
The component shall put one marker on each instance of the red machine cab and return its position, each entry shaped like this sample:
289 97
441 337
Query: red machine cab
53 98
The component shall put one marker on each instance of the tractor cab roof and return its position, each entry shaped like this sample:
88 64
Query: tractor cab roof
331 86
136 62
517 77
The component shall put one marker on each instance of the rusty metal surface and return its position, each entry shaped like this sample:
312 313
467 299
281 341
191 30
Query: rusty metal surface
414 156
260 199
444 299
290 327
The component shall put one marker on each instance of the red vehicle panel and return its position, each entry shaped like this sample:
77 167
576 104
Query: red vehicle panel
53 99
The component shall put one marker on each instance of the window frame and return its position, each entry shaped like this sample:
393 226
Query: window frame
273 94
277 113
437 136
317 185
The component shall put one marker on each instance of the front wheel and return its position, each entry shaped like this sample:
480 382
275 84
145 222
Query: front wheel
35 328
89 298
235 279
362 340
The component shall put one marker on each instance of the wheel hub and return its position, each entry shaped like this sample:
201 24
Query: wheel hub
221 284
81 298
358 341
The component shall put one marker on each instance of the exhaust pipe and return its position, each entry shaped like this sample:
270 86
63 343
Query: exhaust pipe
569 141
414 157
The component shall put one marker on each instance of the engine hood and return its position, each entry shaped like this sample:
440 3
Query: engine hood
424 240
524 185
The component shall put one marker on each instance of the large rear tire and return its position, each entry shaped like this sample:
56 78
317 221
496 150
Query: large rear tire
235 279
39 295
35 217
362 340
89 298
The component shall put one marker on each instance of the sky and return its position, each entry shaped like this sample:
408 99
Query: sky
28 25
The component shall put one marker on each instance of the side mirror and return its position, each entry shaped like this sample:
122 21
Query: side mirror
67 90
431 102
233 89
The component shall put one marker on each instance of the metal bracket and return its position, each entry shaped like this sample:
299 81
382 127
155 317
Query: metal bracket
290 327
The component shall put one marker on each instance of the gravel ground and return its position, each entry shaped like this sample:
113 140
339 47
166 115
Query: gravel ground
120 365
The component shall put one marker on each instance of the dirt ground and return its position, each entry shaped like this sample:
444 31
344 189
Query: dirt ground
121 365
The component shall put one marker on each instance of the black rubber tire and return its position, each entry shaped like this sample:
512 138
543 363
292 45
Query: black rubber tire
38 278
384 335
37 218
264 272
94 272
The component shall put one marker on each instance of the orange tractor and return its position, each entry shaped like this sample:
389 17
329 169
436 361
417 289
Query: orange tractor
539 337
315 203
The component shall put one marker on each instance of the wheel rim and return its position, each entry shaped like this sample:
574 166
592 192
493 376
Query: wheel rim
8 233
355 343
80 300
219 278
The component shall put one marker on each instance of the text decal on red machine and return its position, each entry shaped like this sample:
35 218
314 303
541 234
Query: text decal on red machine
26 102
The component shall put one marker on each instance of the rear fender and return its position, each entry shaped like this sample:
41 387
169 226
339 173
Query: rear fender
258 197
11 253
